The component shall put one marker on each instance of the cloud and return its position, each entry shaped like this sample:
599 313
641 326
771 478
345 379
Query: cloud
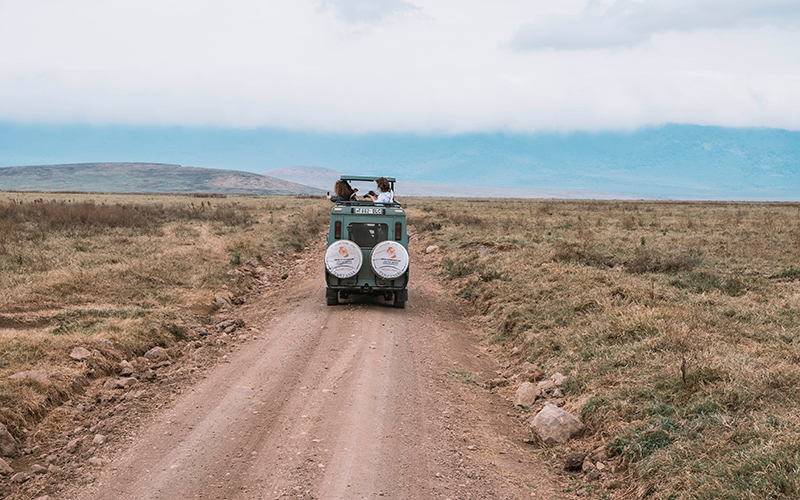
367 11
628 23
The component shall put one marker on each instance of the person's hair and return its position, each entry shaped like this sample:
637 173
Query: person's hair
383 184
342 189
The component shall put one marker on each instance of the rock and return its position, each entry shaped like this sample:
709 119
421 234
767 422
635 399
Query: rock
5 469
37 375
557 393
80 353
43 497
587 465
99 439
526 394
574 462
613 484
432 248
72 446
110 384
52 469
223 303
496 382
20 477
156 353
125 369
582 492
514 351
546 385
127 382
99 462
8 445
558 379
600 454
222 325
593 476
555 426
38 469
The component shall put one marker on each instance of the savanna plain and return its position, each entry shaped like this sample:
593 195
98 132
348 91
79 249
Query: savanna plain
677 323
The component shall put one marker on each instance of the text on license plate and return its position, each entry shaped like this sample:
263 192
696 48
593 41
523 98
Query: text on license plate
370 211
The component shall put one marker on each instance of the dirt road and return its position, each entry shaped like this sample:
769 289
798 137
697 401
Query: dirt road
347 402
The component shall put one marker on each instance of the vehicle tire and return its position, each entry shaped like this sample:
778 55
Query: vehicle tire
400 304
389 259
343 259
332 301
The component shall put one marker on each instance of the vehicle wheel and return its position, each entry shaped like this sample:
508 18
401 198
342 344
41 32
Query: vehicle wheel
333 300
400 304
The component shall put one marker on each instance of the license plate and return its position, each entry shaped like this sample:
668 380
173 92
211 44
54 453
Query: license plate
368 211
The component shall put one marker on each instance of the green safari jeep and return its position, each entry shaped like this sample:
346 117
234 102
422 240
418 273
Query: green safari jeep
367 249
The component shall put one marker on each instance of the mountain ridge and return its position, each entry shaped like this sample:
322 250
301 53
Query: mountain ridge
143 177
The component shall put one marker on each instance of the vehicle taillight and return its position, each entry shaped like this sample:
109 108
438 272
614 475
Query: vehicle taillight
337 230
398 233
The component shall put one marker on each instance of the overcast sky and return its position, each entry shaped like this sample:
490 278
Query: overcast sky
402 65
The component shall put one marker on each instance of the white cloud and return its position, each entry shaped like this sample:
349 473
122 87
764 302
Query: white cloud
627 23
368 11
444 68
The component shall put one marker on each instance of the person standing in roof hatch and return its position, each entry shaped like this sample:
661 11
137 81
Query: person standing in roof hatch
386 194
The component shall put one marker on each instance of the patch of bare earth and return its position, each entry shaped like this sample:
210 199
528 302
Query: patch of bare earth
359 400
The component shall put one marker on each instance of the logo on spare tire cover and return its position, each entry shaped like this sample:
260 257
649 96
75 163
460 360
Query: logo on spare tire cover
343 259
389 259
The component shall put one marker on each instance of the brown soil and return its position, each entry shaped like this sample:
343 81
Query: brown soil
359 400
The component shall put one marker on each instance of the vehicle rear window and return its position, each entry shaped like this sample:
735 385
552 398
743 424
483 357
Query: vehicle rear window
367 235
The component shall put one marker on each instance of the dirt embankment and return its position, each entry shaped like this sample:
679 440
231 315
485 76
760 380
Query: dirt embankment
359 400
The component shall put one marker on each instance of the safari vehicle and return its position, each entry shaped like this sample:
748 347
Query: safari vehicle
367 249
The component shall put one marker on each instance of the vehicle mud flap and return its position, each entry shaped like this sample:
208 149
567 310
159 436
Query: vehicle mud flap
400 298
331 297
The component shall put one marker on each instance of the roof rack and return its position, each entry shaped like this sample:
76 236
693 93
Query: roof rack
372 178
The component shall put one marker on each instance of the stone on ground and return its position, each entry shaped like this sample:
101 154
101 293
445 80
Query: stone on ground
5 469
37 375
8 445
558 379
555 426
526 394
80 353
574 462
38 469
156 353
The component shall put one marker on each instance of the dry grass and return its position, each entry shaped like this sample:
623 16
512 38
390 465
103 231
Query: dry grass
119 274
678 323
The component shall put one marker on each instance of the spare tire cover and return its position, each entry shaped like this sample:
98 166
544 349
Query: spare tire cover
343 259
389 259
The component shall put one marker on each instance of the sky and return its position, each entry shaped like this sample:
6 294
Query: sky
401 66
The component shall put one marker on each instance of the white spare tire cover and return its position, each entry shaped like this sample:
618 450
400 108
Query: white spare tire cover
343 259
389 259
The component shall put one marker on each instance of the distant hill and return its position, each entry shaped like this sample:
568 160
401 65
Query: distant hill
324 178
143 178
